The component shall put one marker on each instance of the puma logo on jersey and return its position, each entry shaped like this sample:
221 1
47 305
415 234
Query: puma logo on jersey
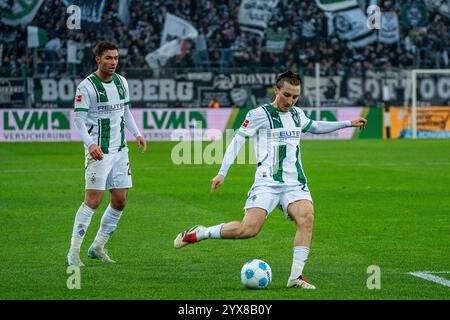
102 93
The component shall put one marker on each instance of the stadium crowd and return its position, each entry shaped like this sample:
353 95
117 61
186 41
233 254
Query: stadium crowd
307 39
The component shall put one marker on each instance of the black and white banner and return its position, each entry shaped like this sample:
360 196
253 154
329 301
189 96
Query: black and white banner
197 89
254 15
351 25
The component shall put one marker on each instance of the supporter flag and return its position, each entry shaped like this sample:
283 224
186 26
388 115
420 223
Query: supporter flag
414 14
390 30
334 5
275 41
351 26
159 57
175 27
91 12
443 7
22 12
308 31
74 52
254 15
36 37
124 11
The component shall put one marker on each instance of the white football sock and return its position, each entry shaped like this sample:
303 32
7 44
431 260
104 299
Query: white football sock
298 261
213 232
107 226
80 226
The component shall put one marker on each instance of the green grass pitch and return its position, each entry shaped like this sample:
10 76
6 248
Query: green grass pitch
384 203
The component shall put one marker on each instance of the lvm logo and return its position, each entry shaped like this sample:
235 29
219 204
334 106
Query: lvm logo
36 120
174 119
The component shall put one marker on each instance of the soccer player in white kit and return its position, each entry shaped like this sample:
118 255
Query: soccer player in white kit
101 115
279 178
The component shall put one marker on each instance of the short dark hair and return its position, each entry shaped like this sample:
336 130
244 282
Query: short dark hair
289 76
104 46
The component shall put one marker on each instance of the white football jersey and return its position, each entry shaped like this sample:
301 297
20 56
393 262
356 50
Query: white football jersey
104 103
277 144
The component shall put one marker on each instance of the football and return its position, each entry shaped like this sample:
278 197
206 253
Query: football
256 274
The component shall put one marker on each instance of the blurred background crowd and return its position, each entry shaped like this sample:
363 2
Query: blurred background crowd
304 26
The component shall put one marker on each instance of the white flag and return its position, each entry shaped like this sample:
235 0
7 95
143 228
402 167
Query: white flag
74 52
175 27
124 11
36 37
159 57
390 30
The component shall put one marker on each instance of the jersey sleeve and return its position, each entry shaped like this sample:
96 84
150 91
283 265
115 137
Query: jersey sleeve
82 99
306 122
255 120
127 91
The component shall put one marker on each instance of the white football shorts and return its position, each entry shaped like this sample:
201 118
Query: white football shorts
269 197
113 172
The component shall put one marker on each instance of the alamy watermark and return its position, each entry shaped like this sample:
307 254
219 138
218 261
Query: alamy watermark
209 146
374 17
74 20
74 279
374 280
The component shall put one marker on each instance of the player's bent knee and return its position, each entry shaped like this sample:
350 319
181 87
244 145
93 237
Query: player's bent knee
119 204
248 232
93 203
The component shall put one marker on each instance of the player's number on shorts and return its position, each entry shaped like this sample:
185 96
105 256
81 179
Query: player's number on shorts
129 169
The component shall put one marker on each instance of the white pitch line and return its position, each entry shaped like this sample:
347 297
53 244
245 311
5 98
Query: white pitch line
426 275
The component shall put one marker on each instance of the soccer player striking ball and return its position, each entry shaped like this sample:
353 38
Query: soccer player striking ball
279 178
101 115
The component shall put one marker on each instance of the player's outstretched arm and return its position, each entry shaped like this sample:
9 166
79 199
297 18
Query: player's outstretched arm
359 122
319 127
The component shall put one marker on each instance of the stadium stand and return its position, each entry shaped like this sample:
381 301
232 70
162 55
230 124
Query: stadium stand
307 39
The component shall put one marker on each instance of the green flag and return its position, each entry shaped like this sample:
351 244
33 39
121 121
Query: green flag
37 37
275 41
20 12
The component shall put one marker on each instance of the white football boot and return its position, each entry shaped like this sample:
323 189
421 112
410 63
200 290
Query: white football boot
189 236
100 253
300 282
73 259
